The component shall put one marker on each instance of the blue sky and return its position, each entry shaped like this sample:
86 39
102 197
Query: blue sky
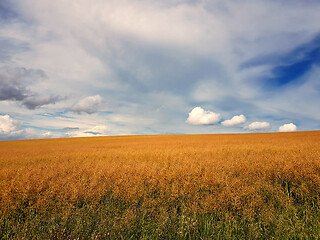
73 68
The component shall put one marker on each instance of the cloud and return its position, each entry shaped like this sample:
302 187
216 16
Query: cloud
88 105
259 126
10 130
7 125
198 116
14 84
70 128
209 90
99 130
290 127
14 81
37 101
236 120
217 54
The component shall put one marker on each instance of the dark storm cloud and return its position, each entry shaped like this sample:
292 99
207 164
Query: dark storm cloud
37 101
14 84
13 92
14 81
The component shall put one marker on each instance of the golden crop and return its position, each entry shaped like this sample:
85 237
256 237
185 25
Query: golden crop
239 173
209 169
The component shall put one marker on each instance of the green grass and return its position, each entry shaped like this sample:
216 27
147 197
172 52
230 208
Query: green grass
114 218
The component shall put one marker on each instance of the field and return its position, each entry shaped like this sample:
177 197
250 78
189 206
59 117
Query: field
231 186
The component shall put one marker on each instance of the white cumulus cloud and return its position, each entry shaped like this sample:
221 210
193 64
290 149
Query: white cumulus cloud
11 130
259 126
290 127
236 120
7 125
88 105
198 116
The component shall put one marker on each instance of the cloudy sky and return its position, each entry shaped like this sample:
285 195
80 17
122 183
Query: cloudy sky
116 67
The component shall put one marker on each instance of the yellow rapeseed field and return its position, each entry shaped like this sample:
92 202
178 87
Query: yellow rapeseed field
201 183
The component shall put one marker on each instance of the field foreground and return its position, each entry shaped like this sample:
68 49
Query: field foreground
232 186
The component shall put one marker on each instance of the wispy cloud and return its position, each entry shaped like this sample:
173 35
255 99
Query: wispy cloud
100 130
152 62
10 129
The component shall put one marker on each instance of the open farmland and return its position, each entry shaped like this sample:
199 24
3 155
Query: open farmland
231 186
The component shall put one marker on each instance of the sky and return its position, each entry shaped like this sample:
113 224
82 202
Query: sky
73 68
